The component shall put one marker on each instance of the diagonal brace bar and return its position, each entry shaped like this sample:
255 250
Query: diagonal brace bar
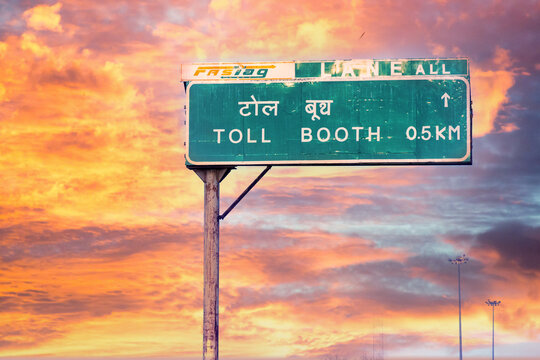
233 205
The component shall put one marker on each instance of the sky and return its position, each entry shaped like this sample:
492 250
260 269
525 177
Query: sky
101 243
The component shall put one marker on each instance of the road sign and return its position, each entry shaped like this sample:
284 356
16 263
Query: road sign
325 117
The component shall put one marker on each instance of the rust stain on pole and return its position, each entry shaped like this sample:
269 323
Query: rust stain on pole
211 264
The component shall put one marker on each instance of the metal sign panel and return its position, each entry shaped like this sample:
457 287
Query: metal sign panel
333 113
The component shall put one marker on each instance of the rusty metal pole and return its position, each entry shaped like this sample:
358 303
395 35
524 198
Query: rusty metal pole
211 264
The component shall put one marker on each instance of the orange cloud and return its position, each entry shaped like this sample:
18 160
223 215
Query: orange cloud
31 43
77 133
265 34
44 17
490 93
296 256
91 290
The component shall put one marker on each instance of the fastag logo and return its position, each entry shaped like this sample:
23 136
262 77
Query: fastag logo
232 71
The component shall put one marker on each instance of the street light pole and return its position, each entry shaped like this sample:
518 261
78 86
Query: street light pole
459 260
493 304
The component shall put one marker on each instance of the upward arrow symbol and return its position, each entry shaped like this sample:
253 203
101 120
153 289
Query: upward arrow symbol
445 97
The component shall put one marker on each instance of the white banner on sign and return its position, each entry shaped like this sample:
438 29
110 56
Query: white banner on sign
238 71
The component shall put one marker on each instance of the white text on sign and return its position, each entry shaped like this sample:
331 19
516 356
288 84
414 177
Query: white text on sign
341 134
267 106
324 108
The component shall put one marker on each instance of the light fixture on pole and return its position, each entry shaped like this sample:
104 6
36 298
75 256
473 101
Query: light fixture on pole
493 304
459 261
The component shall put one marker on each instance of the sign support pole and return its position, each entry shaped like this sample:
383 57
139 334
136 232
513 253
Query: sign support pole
211 179
211 266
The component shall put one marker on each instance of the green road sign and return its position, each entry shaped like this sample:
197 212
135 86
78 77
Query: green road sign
382 120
